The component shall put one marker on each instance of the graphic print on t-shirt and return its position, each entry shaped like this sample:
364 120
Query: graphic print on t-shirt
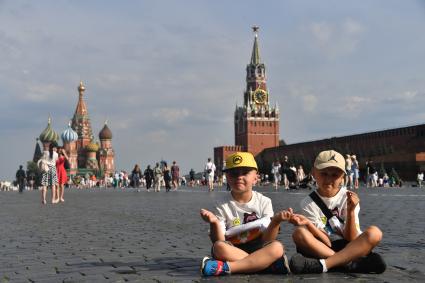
248 235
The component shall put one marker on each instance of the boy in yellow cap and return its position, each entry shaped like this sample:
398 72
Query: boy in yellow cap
243 229
328 233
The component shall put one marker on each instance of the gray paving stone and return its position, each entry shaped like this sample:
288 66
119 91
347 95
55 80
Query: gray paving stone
127 236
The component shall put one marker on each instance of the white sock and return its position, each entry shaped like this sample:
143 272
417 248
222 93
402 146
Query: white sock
325 269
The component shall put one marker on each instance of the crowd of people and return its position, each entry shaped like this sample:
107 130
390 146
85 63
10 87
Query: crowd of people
283 174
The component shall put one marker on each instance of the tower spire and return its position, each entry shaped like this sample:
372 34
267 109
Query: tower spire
255 57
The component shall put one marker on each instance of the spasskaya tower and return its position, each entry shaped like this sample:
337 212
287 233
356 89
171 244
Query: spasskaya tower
256 121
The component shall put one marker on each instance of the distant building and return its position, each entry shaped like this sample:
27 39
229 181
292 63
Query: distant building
85 155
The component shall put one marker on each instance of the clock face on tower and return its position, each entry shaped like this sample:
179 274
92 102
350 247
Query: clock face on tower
260 96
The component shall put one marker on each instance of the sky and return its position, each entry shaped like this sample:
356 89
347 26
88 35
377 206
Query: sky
167 75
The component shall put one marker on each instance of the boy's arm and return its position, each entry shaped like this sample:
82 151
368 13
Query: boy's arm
272 230
351 231
216 229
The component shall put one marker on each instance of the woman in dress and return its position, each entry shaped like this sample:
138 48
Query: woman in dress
61 172
50 178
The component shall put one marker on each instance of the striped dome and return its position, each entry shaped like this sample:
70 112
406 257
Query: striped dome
49 135
92 147
69 135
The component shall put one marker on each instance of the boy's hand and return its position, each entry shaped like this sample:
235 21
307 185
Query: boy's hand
299 220
208 216
283 215
352 200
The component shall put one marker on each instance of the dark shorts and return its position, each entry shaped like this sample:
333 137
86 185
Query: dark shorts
338 245
249 247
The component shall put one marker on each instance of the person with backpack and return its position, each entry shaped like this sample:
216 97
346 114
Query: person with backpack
20 178
148 177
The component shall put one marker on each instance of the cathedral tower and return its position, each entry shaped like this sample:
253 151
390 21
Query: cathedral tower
256 122
106 153
81 125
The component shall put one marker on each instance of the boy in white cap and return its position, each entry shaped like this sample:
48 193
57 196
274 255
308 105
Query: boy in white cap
243 229
328 233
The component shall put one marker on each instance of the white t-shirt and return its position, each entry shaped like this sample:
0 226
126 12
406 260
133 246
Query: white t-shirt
210 166
48 160
235 216
337 205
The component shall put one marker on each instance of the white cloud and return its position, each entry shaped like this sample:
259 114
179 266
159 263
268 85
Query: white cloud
171 116
322 32
158 136
338 39
354 105
309 103
42 92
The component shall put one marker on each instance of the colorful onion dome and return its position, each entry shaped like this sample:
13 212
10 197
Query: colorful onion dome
49 135
92 147
105 133
69 135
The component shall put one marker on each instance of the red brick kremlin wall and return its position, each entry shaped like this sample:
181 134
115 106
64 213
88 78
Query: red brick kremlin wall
402 149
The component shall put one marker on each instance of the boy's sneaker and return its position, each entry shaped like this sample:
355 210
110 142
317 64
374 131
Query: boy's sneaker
300 264
372 263
212 267
280 266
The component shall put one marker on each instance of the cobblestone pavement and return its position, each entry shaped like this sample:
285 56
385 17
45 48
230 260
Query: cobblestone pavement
106 235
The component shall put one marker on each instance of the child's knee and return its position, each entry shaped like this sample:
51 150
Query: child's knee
276 248
219 248
299 235
374 235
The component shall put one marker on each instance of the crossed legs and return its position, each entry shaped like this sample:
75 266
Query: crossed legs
361 246
240 261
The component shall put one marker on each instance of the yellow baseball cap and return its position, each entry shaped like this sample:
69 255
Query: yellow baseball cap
240 159
330 158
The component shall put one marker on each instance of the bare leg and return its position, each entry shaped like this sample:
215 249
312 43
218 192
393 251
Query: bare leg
241 262
43 195
61 192
310 245
54 194
361 246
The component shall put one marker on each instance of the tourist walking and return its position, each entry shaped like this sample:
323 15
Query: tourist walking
420 179
136 175
61 173
284 171
175 174
148 177
348 176
300 174
355 172
50 179
166 172
191 177
209 174
371 172
157 172
276 174
21 178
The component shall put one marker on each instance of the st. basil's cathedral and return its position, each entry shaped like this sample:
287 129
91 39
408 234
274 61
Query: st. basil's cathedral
84 154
